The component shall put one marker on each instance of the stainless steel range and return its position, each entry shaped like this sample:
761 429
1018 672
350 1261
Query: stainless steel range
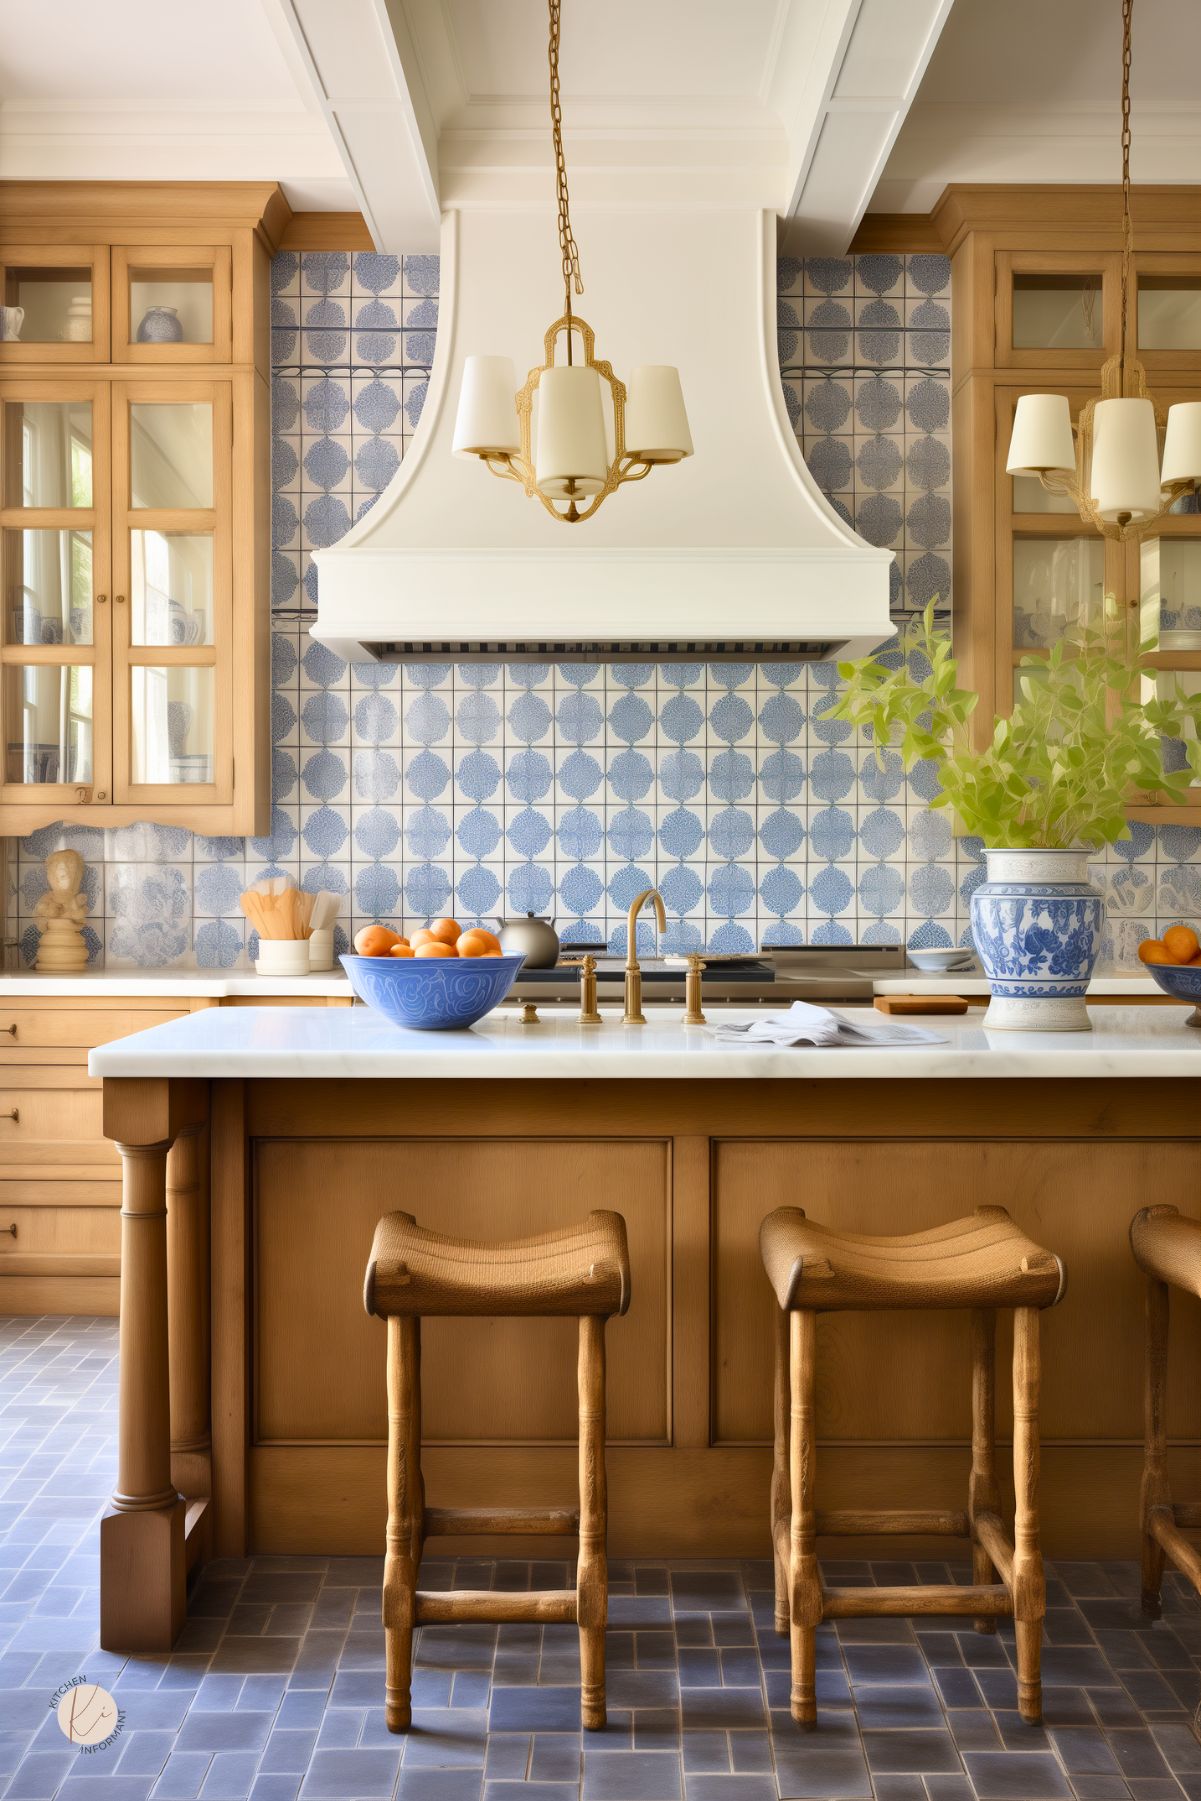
771 976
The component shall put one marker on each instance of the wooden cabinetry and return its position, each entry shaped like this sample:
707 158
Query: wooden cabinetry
1036 285
134 504
60 1178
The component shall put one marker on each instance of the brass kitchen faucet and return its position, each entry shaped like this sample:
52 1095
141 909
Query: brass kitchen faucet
633 1015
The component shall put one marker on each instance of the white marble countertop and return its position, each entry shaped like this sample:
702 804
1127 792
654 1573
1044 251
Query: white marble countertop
337 1043
217 985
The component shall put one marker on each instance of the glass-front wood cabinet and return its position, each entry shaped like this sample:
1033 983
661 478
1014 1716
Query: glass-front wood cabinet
134 554
1037 308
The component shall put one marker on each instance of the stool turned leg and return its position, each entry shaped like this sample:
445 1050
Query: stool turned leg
592 1574
1029 1588
983 1496
781 1499
804 1584
400 1566
1155 1491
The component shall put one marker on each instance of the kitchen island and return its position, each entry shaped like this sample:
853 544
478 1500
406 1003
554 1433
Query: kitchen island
259 1147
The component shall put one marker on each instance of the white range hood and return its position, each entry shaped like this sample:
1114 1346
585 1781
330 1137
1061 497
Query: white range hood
733 553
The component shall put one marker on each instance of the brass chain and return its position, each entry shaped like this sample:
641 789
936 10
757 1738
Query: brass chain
1127 219
567 243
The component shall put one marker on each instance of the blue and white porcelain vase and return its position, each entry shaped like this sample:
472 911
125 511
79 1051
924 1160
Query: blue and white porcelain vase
160 325
1037 924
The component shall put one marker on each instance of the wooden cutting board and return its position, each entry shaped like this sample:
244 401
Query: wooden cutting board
920 1003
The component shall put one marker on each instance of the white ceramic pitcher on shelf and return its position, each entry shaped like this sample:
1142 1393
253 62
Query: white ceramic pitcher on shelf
11 320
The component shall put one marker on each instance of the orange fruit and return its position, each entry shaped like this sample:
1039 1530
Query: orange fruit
1181 944
1152 951
422 935
475 942
435 948
402 950
376 941
446 931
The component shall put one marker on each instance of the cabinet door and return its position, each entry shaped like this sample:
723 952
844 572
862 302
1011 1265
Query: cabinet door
1055 310
54 629
55 303
172 573
171 305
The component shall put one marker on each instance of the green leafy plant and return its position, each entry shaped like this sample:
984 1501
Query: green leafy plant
1064 767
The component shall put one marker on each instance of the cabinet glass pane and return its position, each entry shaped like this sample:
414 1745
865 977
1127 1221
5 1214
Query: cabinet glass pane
49 453
47 305
170 306
48 587
1029 496
1057 312
48 723
170 454
171 587
1169 312
1057 582
172 726
1170 587
1163 684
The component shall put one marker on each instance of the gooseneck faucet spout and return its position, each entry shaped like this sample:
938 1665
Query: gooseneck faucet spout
633 1015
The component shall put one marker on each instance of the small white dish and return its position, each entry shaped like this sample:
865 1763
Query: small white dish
957 960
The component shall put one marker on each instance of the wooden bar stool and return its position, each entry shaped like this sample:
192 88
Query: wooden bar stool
983 1262
1167 1248
581 1270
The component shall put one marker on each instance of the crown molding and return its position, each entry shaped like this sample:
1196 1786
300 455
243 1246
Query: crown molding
99 208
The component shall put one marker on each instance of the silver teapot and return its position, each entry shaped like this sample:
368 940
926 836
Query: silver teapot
533 938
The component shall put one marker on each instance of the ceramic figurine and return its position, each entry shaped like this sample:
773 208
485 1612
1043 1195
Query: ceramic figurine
62 911
78 328
160 325
11 320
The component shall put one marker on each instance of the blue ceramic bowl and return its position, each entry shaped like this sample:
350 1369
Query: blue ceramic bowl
1180 979
432 994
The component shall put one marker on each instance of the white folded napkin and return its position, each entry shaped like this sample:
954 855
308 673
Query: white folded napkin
806 1024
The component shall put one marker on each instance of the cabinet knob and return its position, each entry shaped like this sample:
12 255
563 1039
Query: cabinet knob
11 1030
14 1113
101 599
11 1230
120 599
100 794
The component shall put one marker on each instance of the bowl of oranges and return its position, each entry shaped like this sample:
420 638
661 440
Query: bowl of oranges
1175 962
440 979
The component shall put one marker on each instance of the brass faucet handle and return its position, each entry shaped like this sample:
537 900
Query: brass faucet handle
589 1012
693 1016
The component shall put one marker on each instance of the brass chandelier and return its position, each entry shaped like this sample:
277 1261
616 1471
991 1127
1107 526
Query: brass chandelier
562 449
1108 463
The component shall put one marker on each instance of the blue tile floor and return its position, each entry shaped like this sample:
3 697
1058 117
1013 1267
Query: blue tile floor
275 1689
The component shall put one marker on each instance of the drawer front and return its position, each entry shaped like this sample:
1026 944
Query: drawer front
23 1029
52 1125
57 1232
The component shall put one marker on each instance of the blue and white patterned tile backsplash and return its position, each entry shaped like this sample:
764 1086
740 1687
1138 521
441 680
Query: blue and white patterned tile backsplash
477 789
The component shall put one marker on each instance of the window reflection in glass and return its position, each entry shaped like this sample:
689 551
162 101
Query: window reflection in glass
171 587
48 716
52 464
1057 312
172 726
170 454
48 586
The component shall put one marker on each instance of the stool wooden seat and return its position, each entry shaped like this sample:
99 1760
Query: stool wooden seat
581 1270
1167 1248
982 1262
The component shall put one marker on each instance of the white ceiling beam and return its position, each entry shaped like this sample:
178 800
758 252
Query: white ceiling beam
865 63
359 60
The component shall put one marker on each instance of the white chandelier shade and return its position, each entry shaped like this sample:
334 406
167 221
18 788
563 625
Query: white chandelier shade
572 456
656 422
1042 435
486 422
1124 479
1182 443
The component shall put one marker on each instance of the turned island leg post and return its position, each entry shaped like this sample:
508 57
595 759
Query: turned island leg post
592 1571
142 1567
804 1580
781 1495
188 1277
983 1495
1029 1588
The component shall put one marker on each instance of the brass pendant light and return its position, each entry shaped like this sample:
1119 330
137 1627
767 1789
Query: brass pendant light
564 459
